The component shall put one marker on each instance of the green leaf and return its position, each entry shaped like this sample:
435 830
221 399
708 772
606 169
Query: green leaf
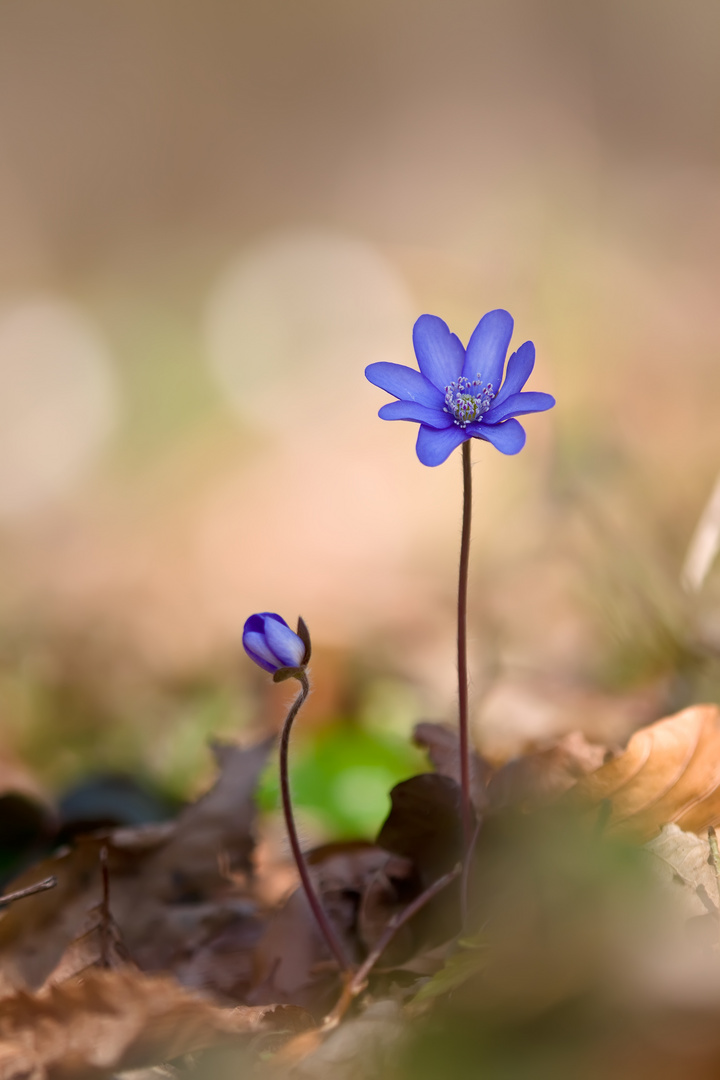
469 959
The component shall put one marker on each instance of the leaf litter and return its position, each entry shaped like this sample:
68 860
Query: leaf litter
182 954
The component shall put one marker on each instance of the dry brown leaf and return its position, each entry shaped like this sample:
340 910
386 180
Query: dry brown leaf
167 891
424 824
223 964
669 772
292 961
388 891
112 1020
443 748
544 773
100 946
541 773
35 933
219 823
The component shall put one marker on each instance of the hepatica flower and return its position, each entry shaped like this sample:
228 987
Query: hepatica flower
269 641
459 393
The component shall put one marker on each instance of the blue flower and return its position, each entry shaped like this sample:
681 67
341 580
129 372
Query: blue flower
269 641
458 393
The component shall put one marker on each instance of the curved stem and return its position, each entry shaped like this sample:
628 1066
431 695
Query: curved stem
467 811
326 927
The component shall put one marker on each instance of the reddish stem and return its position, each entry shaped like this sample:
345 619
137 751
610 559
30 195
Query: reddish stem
321 917
467 810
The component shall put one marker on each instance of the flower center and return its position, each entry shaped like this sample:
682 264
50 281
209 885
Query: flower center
467 401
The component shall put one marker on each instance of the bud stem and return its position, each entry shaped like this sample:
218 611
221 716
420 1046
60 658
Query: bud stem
326 927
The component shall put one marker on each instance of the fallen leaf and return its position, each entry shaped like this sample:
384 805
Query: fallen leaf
362 886
35 933
545 773
388 891
541 773
292 964
669 772
424 827
167 891
220 823
113 1020
424 824
223 963
99 946
683 863
292 960
443 749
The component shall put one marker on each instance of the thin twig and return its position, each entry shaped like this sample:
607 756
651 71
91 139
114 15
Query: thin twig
40 886
358 981
105 916
326 927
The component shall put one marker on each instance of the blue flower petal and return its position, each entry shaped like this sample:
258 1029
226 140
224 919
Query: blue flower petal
519 369
257 649
410 410
440 354
254 623
269 615
433 446
487 348
285 644
508 437
403 382
517 405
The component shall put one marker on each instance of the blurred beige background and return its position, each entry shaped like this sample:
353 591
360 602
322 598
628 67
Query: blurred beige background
213 215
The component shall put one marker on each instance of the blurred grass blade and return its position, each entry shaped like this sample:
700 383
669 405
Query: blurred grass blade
704 545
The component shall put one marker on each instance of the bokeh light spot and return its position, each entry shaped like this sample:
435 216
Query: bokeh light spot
58 402
293 320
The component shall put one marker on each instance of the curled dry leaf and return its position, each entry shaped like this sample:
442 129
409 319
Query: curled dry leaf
114 1020
669 772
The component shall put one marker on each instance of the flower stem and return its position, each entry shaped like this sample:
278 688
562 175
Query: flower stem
326 927
467 810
